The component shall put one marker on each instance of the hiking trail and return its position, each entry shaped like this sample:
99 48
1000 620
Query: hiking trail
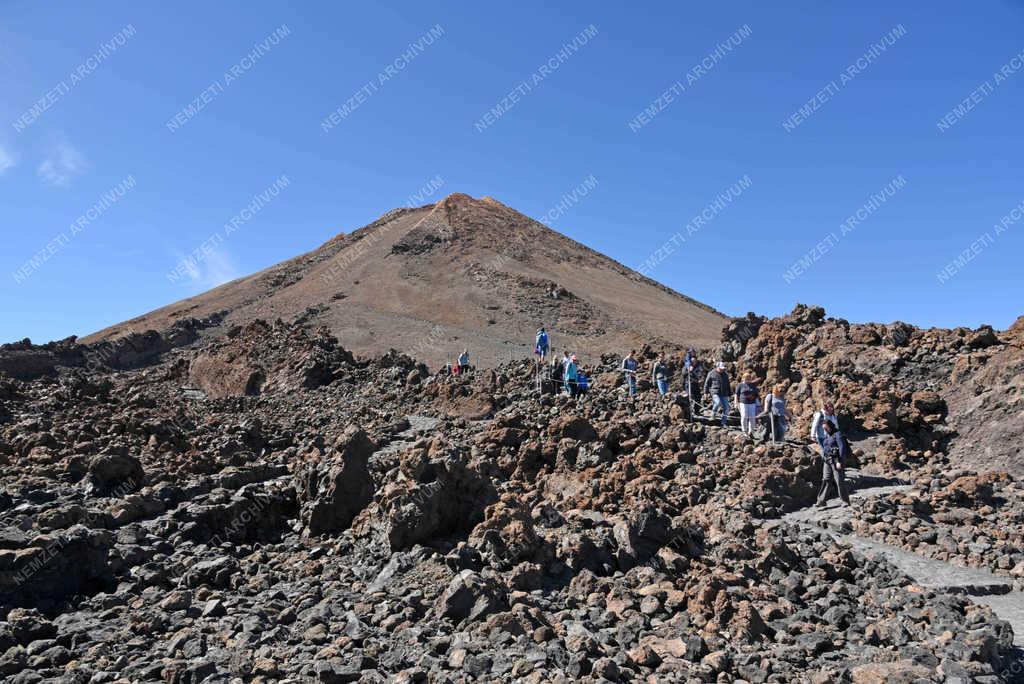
981 586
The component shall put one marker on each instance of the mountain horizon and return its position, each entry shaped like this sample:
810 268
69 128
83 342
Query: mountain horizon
459 273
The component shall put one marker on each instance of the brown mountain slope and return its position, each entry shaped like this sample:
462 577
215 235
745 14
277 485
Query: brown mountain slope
460 273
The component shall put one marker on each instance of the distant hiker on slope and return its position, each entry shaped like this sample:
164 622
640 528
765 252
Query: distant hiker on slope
717 383
827 414
629 366
540 347
835 449
572 377
747 398
659 376
464 361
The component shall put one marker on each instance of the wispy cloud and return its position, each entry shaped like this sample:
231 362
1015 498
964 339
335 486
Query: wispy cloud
63 163
216 267
7 160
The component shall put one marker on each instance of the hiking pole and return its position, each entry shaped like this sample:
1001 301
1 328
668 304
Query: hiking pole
771 417
689 392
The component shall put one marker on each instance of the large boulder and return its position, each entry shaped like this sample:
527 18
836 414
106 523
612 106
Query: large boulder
332 492
433 493
222 375
470 596
116 474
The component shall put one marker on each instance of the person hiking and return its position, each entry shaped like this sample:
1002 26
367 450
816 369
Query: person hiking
629 366
464 361
827 414
572 376
835 450
747 399
659 375
689 359
697 379
776 412
540 347
717 383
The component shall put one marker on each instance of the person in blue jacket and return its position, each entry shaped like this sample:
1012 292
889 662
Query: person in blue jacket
541 344
572 377
834 450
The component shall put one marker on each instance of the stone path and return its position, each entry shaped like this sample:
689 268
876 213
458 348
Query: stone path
982 586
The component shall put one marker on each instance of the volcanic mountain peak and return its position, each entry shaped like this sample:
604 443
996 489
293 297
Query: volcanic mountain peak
459 273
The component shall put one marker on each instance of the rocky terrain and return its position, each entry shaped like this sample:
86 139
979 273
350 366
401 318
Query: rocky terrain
458 273
264 505
957 516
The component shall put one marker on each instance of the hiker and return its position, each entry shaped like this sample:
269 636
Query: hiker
835 449
827 414
696 379
689 359
540 347
747 400
464 361
629 366
571 376
775 410
552 378
659 376
717 383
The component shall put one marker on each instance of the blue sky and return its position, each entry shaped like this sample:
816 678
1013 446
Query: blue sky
108 181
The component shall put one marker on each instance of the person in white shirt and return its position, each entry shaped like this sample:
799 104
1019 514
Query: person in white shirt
826 414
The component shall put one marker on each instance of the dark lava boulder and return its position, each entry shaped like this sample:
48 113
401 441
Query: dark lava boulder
333 491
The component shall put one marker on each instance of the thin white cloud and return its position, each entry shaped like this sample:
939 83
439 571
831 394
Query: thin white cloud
63 163
7 159
207 269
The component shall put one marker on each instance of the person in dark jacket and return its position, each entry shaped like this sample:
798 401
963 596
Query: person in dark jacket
834 450
659 375
747 397
717 384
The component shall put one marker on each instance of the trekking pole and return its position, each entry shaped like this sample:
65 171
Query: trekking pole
689 392
771 417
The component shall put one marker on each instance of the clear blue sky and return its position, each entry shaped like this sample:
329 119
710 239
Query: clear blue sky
107 120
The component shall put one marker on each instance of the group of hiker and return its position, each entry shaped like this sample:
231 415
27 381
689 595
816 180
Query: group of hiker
461 365
771 409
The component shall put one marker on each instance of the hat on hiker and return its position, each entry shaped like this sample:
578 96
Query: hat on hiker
720 366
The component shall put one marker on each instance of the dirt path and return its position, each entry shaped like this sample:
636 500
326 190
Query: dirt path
981 586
